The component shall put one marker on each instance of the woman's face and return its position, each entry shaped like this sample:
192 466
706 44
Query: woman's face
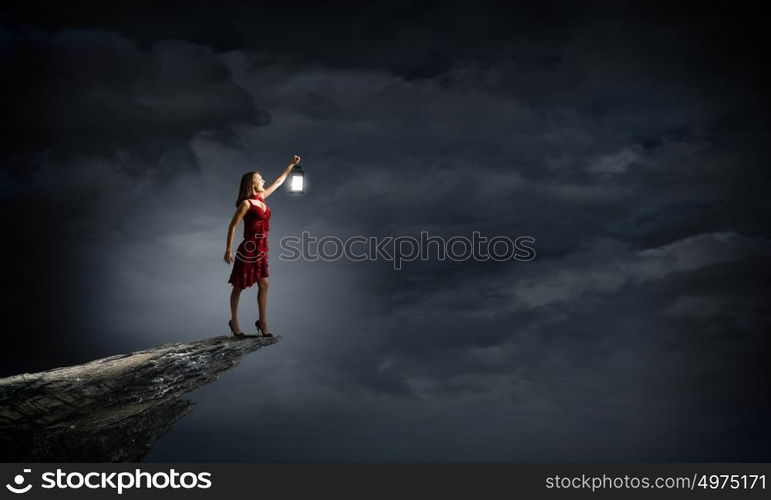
258 182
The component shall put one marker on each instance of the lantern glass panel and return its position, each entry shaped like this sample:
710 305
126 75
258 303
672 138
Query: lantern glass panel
297 184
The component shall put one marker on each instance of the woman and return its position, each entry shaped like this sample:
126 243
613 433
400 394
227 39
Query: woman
251 262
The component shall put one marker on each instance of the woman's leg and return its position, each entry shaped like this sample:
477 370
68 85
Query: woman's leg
235 295
262 303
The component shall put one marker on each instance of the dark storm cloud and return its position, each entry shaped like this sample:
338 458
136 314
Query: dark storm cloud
425 39
79 94
411 38
627 141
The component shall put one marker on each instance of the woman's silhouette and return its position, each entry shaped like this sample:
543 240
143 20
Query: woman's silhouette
251 261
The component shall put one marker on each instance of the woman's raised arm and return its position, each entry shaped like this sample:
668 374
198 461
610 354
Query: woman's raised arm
281 178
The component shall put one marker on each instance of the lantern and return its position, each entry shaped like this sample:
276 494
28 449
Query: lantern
297 180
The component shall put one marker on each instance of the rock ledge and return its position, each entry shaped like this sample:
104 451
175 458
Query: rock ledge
111 409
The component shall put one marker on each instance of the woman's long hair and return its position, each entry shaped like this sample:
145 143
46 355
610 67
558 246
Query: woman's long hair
245 189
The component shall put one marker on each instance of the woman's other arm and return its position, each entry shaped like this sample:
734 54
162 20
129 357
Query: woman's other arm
240 211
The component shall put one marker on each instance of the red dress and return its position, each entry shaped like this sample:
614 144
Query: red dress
251 259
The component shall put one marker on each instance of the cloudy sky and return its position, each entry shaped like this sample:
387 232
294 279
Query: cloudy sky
630 143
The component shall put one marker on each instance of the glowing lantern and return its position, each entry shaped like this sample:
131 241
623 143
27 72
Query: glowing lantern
297 180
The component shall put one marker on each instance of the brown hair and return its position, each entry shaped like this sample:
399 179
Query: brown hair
245 189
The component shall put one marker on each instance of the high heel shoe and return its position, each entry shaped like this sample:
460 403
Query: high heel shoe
259 329
239 334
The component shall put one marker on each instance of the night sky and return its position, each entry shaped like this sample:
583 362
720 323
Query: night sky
631 142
